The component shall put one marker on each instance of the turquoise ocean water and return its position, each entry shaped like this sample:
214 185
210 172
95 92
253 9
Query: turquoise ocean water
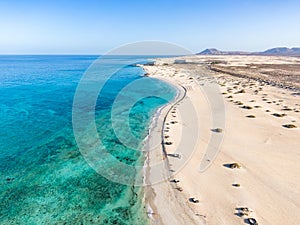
44 179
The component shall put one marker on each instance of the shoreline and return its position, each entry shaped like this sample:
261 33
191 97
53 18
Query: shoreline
254 138
161 157
155 126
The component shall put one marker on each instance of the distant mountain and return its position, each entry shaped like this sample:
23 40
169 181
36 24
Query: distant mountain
211 51
282 51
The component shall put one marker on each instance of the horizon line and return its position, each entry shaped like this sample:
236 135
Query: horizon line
101 54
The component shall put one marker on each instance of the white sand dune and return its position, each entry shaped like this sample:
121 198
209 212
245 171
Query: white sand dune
269 154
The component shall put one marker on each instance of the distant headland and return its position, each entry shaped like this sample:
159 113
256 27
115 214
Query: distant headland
279 51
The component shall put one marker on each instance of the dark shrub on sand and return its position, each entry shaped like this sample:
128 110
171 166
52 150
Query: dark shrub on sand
246 107
279 114
217 130
289 126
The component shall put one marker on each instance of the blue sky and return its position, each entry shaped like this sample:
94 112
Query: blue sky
94 27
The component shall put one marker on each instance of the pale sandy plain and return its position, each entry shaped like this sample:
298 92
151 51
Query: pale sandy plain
252 135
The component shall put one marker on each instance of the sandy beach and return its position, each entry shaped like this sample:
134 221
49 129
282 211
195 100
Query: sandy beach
230 152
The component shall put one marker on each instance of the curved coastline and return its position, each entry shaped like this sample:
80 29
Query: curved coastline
161 113
166 201
157 168
165 118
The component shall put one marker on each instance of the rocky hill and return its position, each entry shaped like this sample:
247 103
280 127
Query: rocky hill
280 51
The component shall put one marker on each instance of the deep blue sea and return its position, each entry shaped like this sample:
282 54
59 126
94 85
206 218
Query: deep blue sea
44 178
